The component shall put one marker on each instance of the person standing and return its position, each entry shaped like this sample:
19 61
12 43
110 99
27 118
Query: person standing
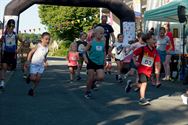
37 60
108 31
147 57
169 55
162 42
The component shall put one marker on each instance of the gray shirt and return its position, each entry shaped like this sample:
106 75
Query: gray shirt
162 43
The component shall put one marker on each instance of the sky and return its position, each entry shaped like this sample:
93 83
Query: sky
29 19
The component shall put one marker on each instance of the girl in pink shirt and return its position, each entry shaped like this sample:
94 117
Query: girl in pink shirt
72 57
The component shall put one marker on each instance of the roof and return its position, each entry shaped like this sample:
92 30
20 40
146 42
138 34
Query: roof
166 13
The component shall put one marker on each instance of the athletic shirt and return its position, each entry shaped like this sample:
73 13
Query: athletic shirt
73 58
147 58
39 55
119 50
81 46
162 43
96 52
10 42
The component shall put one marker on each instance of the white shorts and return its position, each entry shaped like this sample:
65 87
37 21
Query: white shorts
34 69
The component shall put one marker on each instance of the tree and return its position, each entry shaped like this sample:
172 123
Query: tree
67 22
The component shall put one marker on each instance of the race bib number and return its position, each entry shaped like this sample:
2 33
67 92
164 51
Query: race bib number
73 58
147 61
99 48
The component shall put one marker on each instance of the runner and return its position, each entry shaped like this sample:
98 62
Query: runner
37 60
24 51
95 59
81 44
147 57
119 55
9 42
73 57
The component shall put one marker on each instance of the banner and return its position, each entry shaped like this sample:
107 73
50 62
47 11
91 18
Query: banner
128 32
137 7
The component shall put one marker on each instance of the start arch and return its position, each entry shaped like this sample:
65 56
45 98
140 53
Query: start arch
120 9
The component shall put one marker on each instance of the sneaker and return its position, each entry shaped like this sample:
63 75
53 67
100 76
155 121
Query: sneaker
116 77
25 76
184 99
94 86
144 101
2 85
28 79
88 95
128 86
78 78
120 80
31 92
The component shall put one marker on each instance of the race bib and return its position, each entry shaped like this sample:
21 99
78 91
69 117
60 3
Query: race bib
147 61
99 48
73 58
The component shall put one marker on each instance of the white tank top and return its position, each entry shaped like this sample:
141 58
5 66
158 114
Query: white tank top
39 55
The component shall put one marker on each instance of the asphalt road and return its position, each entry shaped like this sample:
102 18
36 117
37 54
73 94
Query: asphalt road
59 102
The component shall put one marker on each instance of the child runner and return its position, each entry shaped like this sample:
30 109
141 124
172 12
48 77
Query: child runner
108 65
73 57
95 59
148 56
81 44
119 55
24 51
37 59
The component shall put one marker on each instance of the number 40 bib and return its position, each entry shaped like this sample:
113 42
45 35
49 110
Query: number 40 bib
147 61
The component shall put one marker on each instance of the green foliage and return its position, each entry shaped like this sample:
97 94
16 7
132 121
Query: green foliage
66 22
30 37
63 49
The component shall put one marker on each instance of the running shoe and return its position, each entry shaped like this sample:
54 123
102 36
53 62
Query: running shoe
31 92
184 99
28 79
88 95
128 86
94 86
2 85
78 78
144 101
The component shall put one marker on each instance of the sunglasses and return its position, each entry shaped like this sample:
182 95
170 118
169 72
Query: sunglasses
11 25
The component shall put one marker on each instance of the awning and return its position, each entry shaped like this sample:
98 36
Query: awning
166 13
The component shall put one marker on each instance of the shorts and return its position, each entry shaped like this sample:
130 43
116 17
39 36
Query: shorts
117 59
162 55
125 68
9 58
74 67
143 78
92 65
34 69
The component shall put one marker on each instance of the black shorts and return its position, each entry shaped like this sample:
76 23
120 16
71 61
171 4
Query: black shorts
9 58
92 65
74 67
142 78
117 59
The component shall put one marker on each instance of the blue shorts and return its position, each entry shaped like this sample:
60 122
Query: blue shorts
162 55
